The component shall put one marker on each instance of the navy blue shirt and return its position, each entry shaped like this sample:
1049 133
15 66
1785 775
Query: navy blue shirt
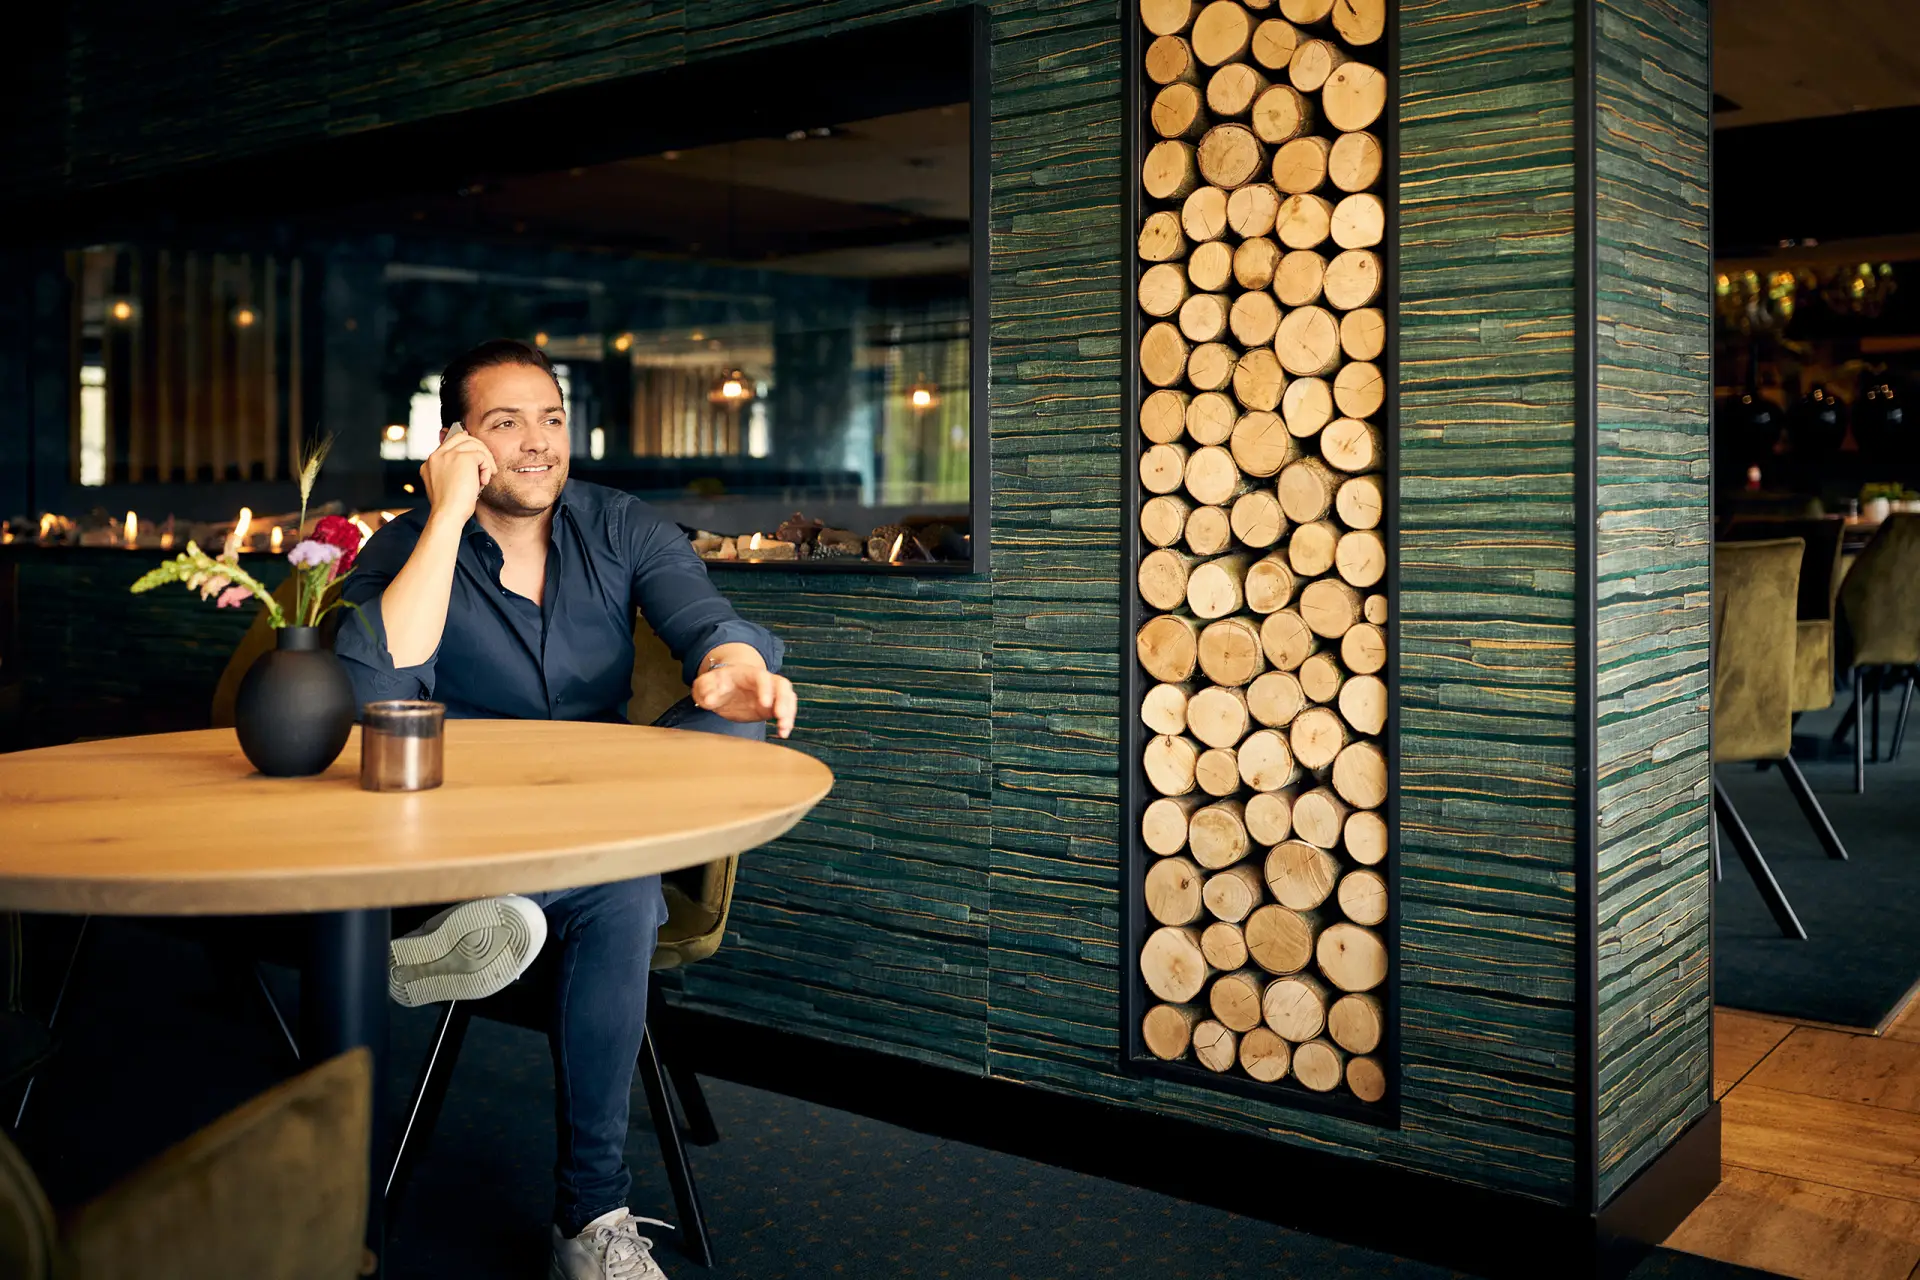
568 658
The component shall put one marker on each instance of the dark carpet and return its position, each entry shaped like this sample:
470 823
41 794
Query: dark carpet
1861 958
157 1046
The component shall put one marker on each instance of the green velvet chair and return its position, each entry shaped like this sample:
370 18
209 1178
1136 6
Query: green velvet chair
273 1190
1880 613
1755 589
1817 603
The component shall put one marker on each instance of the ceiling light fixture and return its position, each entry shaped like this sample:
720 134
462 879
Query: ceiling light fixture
396 432
121 310
923 395
623 343
731 387
244 317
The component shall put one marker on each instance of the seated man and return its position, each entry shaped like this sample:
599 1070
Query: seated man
512 596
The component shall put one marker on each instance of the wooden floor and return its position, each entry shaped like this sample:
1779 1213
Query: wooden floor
1820 1155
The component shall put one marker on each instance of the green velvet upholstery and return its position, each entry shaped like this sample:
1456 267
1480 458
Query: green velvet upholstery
1755 585
27 1237
699 897
1812 665
1818 599
1881 598
273 1190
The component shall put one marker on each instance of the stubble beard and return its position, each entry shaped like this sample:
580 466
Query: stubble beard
511 495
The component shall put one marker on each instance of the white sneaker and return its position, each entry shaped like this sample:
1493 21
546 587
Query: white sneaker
466 952
611 1248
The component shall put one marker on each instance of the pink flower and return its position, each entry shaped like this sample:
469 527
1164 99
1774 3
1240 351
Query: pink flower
308 553
232 597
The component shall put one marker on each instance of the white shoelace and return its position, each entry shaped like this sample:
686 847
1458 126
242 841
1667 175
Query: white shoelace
624 1252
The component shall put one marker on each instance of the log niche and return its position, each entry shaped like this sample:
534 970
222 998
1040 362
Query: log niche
1263 562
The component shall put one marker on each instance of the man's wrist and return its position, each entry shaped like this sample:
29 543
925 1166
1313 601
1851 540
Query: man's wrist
732 654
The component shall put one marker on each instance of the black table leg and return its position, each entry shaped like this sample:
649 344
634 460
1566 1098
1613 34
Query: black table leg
343 1004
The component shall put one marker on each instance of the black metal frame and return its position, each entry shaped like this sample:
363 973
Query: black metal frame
1134 1059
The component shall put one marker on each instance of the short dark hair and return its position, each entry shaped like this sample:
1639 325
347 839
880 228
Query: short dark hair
490 354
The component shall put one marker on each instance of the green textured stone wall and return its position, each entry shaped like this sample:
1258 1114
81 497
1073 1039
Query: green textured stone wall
1654 543
958 898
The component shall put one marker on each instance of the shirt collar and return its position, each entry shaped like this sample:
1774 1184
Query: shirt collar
475 529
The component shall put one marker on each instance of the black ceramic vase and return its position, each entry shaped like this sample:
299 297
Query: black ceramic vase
295 707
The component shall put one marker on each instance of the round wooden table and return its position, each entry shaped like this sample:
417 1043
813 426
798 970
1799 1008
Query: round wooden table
180 824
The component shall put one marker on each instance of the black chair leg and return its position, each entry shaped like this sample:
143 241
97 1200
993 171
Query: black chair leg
1847 717
1757 866
1809 805
1879 681
1900 722
53 1016
1859 732
423 1111
273 1008
686 1198
698 1117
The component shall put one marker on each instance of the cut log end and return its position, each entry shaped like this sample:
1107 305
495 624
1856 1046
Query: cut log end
1319 1065
1367 1079
1356 1023
1167 1030
1171 964
1264 1055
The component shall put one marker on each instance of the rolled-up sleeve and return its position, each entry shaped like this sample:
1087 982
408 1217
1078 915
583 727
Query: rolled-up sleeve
674 595
363 649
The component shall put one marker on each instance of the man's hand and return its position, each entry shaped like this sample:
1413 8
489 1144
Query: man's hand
455 473
734 683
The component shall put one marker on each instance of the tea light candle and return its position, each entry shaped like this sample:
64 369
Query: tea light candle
759 547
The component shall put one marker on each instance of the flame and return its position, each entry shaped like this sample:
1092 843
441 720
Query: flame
893 556
388 517
275 538
241 525
166 540
922 398
366 531
132 528
46 524
755 544
6 533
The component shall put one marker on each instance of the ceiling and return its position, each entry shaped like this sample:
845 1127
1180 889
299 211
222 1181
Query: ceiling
1795 59
882 197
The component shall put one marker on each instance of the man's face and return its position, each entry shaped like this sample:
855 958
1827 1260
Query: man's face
515 411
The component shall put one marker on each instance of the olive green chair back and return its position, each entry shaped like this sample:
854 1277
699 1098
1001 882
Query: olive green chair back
28 1240
1814 634
274 1190
1881 597
1754 589
699 898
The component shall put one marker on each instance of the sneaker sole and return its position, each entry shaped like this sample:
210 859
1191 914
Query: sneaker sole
477 950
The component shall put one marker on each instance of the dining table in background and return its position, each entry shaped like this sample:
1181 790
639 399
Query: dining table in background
179 824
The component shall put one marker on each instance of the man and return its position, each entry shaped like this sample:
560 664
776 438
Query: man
512 596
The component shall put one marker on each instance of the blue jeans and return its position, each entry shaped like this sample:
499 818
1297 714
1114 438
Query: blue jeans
602 939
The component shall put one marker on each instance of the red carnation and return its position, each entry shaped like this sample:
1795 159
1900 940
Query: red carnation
338 531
